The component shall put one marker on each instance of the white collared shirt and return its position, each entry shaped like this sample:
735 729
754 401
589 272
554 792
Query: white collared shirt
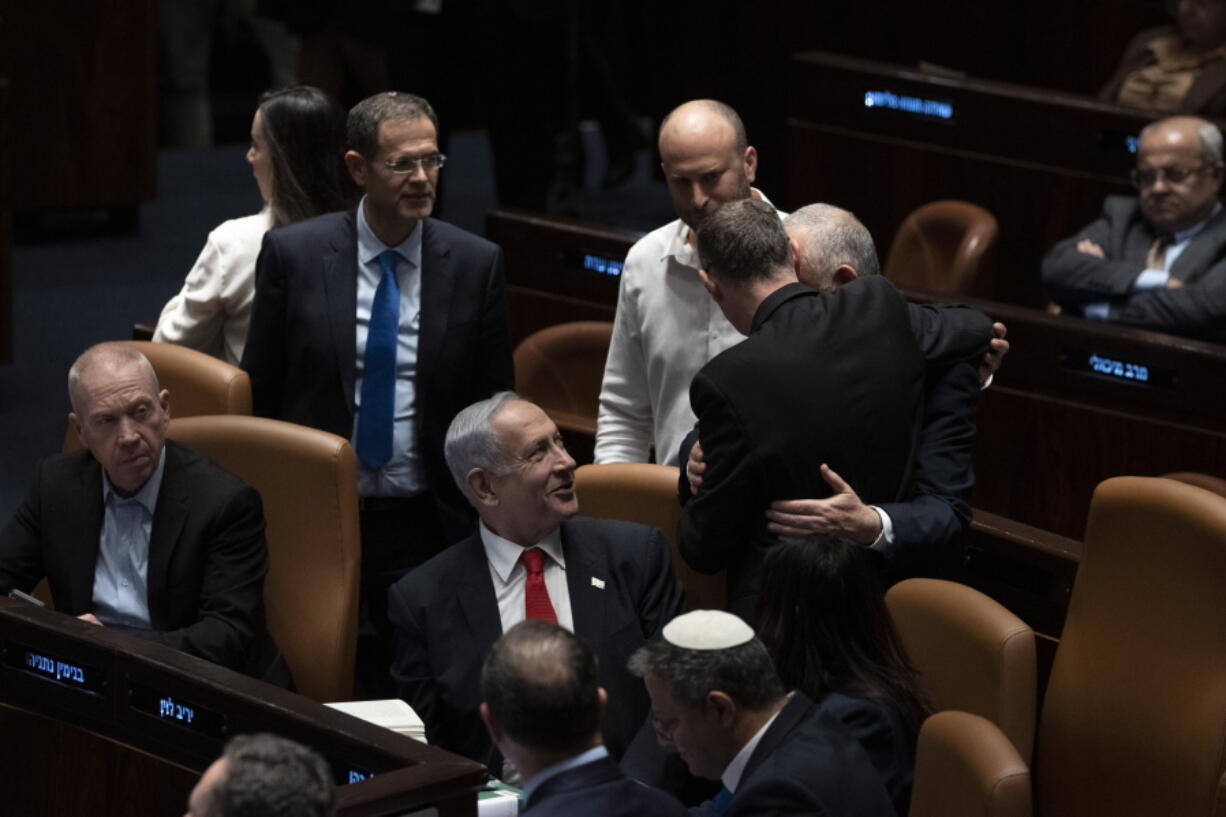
731 778
403 475
667 328
509 574
121 573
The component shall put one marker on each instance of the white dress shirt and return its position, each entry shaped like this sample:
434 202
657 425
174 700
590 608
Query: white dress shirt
213 310
509 574
403 474
121 574
667 328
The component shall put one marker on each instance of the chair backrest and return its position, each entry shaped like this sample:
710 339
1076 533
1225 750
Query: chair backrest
308 481
199 384
966 767
972 654
560 368
945 246
1134 718
1210 483
647 493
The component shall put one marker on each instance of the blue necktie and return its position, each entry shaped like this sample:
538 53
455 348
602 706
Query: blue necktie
379 370
717 805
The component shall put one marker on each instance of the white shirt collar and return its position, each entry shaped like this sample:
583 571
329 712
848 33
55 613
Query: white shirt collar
147 496
503 554
370 245
731 778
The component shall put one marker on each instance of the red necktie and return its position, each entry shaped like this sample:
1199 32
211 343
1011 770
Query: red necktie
536 596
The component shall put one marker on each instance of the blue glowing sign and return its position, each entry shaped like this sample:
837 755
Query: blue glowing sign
49 667
1132 143
174 709
1122 371
167 708
932 108
605 266
356 776
1119 368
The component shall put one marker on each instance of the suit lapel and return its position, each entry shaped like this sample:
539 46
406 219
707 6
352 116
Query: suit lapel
587 601
82 566
477 595
168 519
437 285
789 717
1197 257
340 286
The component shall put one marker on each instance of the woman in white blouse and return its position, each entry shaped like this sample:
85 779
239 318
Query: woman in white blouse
296 156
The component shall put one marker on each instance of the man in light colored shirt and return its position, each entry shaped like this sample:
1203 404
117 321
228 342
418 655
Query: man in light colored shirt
611 583
1157 261
542 702
716 698
666 327
143 533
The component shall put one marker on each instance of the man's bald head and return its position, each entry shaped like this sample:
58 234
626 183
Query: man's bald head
833 247
1179 172
706 157
540 687
104 358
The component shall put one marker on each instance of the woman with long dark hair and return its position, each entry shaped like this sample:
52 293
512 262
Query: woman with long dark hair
823 618
296 156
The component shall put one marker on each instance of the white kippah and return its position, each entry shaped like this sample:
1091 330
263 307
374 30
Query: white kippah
707 630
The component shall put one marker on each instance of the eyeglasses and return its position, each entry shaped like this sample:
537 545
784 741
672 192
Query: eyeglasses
410 164
1173 175
664 726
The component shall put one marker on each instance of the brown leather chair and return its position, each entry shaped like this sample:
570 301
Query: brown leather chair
198 383
647 493
1134 719
1209 483
560 368
308 481
972 654
945 246
966 767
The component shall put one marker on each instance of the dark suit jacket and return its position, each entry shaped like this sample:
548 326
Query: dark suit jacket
834 378
1197 309
1206 96
207 555
301 349
446 619
806 763
881 733
599 788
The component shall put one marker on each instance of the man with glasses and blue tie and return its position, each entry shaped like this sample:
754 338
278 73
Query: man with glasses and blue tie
1157 261
379 324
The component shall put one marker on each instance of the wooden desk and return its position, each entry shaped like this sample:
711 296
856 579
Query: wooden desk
1040 161
99 722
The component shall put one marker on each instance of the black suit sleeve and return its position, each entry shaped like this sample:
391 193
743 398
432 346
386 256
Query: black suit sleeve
1198 308
264 354
495 369
230 600
660 597
1074 278
21 563
715 525
415 683
949 334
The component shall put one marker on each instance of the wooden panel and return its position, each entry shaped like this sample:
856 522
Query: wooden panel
94 724
1042 183
84 89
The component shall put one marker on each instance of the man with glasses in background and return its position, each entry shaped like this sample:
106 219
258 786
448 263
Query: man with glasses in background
379 325
1157 261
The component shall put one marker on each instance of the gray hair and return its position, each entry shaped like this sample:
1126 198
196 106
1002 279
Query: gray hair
743 241
833 237
471 443
362 127
112 355
271 776
744 673
716 108
1209 134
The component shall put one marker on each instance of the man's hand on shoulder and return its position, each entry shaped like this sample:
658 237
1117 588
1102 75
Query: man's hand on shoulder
695 467
842 514
998 347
